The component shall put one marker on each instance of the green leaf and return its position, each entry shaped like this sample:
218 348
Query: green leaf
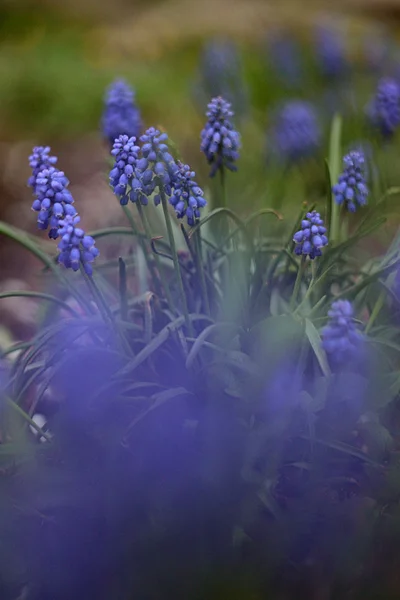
335 155
315 341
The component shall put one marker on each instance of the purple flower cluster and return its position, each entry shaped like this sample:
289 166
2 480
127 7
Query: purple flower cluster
139 171
220 142
75 247
330 51
38 161
341 339
123 174
121 115
384 110
285 58
311 237
187 197
54 203
53 200
296 133
351 187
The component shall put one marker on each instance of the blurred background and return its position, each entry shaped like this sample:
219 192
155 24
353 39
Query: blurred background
57 59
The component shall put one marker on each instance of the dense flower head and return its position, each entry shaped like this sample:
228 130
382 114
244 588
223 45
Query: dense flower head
384 110
156 166
351 187
125 152
187 197
340 338
285 58
220 142
311 237
121 115
53 200
38 161
330 51
296 133
75 247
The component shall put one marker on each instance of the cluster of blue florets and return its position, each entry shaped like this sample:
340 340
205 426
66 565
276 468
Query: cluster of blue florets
38 161
220 142
139 171
341 339
330 51
76 248
54 203
121 115
187 198
351 188
384 110
53 200
296 133
311 238
123 175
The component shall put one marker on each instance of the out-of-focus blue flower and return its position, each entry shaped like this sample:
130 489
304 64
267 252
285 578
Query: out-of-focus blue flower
284 56
311 237
75 247
341 340
383 111
220 142
187 197
53 200
331 53
221 73
351 187
38 161
125 152
121 115
296 132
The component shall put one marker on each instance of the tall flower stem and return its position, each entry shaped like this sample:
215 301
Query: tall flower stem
200 271
106 312
147 255
334 169
161 275
299 277
176 261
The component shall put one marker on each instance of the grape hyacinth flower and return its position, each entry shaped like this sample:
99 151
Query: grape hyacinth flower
341 340
285 58
121 115
53 200
221 74
38 161
187 198
311 237
125 152
75 247
155 168
220 142
330 52
351 187
296 133
384 110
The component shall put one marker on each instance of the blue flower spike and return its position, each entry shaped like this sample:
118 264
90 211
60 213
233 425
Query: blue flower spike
311 238
351 188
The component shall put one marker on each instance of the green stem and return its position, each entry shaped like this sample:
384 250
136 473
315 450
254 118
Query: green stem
176 261
105 311
164 283
27 418
200 271
375 312
147 255
334 169
123 290
297 284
